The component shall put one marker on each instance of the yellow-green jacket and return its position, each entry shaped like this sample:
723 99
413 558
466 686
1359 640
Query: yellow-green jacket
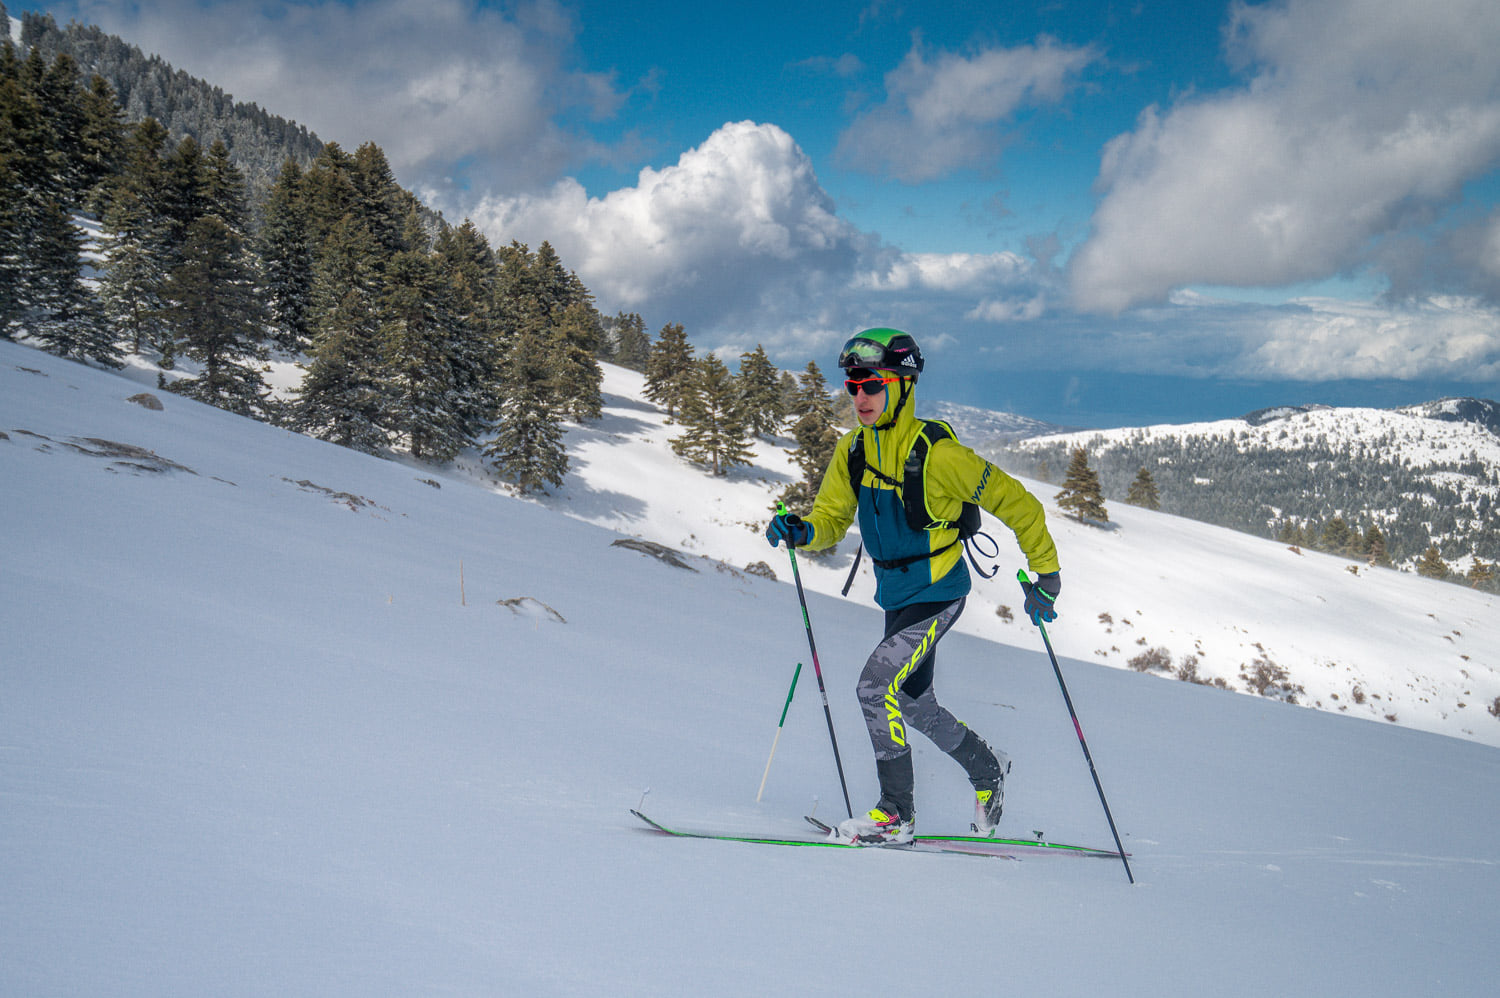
954 474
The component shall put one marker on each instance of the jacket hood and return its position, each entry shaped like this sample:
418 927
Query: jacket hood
894 431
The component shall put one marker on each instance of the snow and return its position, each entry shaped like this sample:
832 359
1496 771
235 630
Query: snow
261 737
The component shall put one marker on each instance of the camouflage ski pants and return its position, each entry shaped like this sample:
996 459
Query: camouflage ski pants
896 689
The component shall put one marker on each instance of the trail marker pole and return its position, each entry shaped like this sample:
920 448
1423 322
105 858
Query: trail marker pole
779 725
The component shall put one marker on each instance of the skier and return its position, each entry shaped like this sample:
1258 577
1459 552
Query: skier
921 578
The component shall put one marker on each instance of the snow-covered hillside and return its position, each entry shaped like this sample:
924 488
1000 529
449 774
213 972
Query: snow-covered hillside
281 718
984 428
1424 475
1411 435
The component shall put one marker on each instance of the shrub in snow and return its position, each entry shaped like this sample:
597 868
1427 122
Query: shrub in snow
1268 679
1156 659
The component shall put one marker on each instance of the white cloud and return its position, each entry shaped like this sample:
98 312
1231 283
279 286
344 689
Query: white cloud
1362 121
1008 310
738 228
1441 337
433 84
740 242
954 272
945 114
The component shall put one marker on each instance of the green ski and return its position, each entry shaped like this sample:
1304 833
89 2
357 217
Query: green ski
965 849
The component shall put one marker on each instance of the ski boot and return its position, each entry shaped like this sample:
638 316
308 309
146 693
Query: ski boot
879 827
989 800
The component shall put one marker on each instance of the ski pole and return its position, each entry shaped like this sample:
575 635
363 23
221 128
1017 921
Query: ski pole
1026 581
779 724
817 669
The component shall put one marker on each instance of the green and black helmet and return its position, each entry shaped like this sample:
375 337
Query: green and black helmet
884 349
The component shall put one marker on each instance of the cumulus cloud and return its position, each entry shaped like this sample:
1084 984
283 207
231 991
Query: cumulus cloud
945 113
1361 121
738 228
433 84
740 242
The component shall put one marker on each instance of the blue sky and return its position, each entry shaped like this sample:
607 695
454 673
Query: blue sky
1094 213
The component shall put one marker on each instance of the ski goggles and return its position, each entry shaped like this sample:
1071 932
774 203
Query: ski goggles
861 351
870 382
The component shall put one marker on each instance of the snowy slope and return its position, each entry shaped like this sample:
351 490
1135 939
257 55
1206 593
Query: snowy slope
253 742
1412 435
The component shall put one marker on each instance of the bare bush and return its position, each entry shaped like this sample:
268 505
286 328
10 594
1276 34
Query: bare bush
1265 678
1154 660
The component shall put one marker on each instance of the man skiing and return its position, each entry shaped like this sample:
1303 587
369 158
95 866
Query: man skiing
909 509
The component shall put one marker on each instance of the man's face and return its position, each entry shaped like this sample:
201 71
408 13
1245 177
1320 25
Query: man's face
869 388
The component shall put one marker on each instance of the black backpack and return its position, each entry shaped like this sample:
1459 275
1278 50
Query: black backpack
912 487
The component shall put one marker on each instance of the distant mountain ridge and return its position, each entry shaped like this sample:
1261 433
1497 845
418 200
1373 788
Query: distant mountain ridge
1424 475
1484 412
983 427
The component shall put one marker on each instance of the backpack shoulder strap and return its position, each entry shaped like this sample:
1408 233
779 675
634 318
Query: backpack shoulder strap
968 522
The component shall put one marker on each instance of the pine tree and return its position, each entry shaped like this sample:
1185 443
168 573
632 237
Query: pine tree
1375 547
552 289
135 272
537 293
1481 575
759 388
1432 565
577 378
528 447
1291 533
715 432
41 187
102 142
328 195
217 317
669 368
214 307
184 194
816 431
1143 491
286 259
1082 494
343 396
1337 536
18 128
58 91
63 314
421 342
183 201
379 200
630 345
468 266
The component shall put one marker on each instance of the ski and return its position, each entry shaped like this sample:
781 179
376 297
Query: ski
999 846
771 840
